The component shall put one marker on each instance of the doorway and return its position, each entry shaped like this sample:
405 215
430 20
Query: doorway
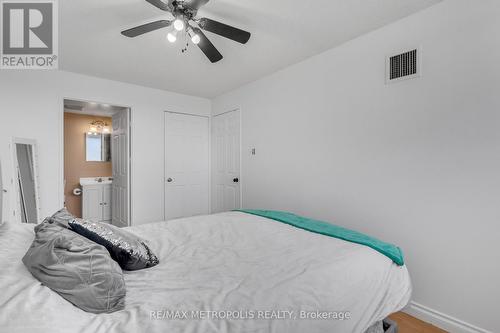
186 165
97 161
226 161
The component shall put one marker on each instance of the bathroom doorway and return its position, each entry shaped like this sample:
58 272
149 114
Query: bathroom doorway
97 161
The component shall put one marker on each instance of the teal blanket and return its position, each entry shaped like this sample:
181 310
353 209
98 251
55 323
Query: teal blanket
391 251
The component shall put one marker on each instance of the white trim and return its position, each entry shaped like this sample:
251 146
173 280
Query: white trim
225 112
164 165
189 114
441 320
210 164
130 144
130 167
242 178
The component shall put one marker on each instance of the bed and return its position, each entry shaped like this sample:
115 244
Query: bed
229 272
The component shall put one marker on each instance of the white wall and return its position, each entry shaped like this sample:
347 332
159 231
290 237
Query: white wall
31 106
415 163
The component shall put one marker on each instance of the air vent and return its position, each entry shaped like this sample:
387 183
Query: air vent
403 66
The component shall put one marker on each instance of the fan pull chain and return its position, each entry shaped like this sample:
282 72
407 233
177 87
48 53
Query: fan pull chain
186 48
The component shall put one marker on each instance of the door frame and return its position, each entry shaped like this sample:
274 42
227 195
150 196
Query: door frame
242 178
209 117
130 155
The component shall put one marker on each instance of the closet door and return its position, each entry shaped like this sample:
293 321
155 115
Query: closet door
186 165
226 180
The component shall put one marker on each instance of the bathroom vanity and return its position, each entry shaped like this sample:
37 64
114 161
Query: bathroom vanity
96 198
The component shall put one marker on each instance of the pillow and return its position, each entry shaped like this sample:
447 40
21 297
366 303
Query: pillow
61 218
78 269
128 250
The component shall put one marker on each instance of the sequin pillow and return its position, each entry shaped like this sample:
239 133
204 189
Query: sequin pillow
128 250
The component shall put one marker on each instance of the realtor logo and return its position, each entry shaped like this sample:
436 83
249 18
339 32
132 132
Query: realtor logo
29 34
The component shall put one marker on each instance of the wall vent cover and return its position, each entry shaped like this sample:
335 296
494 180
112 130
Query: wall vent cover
403 66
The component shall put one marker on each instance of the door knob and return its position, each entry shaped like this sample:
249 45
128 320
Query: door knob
236 180
169 180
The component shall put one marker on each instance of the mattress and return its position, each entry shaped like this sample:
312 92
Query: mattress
229 272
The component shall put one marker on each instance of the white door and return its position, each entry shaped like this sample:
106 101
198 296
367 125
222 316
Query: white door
226 180
186 165
120 148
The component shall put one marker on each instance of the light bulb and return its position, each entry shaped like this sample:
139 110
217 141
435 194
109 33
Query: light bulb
171 37
179 24
106 130
93 129
196 39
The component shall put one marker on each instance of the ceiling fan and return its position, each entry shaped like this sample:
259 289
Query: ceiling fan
185 21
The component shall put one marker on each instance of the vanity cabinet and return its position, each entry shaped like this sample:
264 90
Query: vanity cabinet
96 203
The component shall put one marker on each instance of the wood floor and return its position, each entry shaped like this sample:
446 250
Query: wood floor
409 324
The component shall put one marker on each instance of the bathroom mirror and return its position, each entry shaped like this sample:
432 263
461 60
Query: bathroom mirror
98 147
26 180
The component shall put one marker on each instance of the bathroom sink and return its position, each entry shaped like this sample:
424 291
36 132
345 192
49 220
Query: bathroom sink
96 181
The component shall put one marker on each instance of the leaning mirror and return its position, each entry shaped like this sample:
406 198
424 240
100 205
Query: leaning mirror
1 195
98 147
26 172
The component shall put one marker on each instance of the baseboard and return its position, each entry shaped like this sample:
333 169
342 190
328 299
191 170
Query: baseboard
441 320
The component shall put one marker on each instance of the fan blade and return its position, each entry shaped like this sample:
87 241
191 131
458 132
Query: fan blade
160 4
224 30
145 28
195 4
207 47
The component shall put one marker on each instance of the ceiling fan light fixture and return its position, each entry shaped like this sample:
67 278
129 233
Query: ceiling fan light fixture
185 12
179 24
172 36
195 38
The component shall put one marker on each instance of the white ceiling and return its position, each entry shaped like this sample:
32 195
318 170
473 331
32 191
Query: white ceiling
284 32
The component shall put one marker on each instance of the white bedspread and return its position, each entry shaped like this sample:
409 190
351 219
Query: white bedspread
230 261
